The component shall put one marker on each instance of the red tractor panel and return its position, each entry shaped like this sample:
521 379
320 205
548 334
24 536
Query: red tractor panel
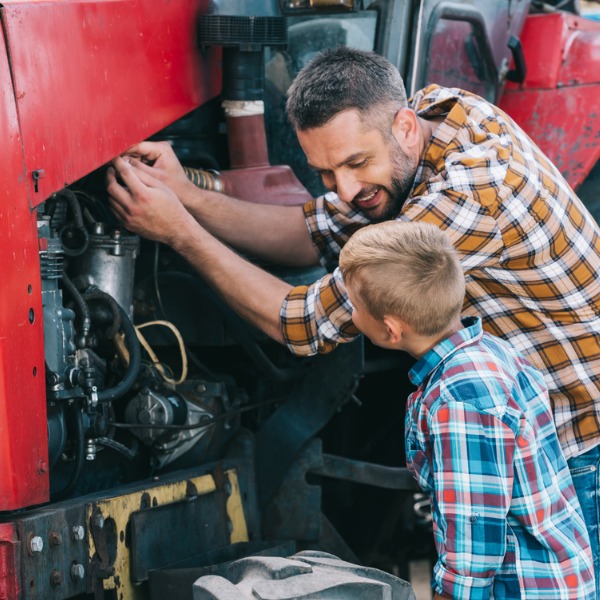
23 423
557 105
92 78
81 82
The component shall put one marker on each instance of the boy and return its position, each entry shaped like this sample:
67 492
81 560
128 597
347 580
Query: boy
480 438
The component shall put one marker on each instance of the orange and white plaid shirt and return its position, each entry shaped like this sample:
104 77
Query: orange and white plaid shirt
529 249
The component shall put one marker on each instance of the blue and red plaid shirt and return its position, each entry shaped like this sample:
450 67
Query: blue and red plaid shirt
481 441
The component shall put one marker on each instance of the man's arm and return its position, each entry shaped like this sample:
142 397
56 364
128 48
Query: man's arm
149 208
275 233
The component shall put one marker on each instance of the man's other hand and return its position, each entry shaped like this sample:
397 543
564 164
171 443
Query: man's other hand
158 160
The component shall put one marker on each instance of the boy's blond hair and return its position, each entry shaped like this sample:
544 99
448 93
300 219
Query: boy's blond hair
405 269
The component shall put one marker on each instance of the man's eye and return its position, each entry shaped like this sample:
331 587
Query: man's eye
359 165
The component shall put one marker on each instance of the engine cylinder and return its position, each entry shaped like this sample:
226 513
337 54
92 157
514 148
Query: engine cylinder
109 264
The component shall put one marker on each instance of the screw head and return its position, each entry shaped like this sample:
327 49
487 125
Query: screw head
77 533
36 544
77 572
99 521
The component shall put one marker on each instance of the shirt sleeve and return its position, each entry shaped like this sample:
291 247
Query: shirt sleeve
471 462
315 318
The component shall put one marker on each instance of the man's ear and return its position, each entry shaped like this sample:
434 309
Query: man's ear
406 128
394 327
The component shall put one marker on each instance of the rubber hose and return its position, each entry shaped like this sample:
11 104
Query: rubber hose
135 362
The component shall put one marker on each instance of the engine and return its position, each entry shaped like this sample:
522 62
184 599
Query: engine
108 390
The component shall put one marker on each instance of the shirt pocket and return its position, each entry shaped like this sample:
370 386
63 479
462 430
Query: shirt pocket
418 465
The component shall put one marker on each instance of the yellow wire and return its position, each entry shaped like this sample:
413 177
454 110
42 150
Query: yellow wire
154 358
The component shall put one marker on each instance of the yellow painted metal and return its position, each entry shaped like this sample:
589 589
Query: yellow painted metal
235 511
120 508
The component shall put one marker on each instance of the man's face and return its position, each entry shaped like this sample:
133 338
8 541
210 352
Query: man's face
364 167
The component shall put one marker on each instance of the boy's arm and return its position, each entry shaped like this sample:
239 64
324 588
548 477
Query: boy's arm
471 461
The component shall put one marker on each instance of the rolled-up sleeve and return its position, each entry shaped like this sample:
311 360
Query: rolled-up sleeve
315 318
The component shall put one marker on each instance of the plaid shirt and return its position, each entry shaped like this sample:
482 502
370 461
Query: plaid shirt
480 440
529 249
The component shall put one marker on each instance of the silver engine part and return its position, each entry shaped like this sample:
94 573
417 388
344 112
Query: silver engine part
152 409
109 264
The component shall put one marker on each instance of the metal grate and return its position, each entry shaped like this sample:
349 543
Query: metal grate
251 32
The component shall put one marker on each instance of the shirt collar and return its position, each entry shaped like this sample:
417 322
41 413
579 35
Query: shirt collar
471 332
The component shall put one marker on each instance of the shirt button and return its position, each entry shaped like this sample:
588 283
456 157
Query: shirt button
473 519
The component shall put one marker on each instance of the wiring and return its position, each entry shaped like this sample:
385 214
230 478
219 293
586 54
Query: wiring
155 362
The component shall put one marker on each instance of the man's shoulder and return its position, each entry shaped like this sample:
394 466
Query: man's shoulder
435 99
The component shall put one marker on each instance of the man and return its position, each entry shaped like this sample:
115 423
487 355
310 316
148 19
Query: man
529 249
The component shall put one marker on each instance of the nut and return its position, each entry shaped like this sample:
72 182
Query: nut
77 572
77 533
36 544
98 521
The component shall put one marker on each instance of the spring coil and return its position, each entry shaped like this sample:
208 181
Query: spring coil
206 180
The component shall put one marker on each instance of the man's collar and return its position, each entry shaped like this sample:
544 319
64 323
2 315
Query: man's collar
471 332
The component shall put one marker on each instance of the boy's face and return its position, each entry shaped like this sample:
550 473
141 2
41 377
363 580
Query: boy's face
374 329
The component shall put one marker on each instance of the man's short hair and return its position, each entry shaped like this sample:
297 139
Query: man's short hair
405 269
344 78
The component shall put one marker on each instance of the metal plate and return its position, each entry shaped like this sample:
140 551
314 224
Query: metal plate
23 423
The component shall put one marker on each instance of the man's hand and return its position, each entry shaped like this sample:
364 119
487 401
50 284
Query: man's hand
143 203
158 160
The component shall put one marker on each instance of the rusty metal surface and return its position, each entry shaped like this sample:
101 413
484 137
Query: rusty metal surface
86 545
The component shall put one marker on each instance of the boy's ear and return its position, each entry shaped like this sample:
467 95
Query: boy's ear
394 327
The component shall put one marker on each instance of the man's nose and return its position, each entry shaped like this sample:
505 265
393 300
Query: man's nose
347 186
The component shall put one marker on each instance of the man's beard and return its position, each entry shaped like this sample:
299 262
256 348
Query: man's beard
403 177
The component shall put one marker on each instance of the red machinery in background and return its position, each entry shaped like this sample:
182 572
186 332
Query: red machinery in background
557 104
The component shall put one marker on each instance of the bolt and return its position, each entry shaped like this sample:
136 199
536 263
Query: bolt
99 521
90 450
77 572
55 538
36 544
56 578
77 533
